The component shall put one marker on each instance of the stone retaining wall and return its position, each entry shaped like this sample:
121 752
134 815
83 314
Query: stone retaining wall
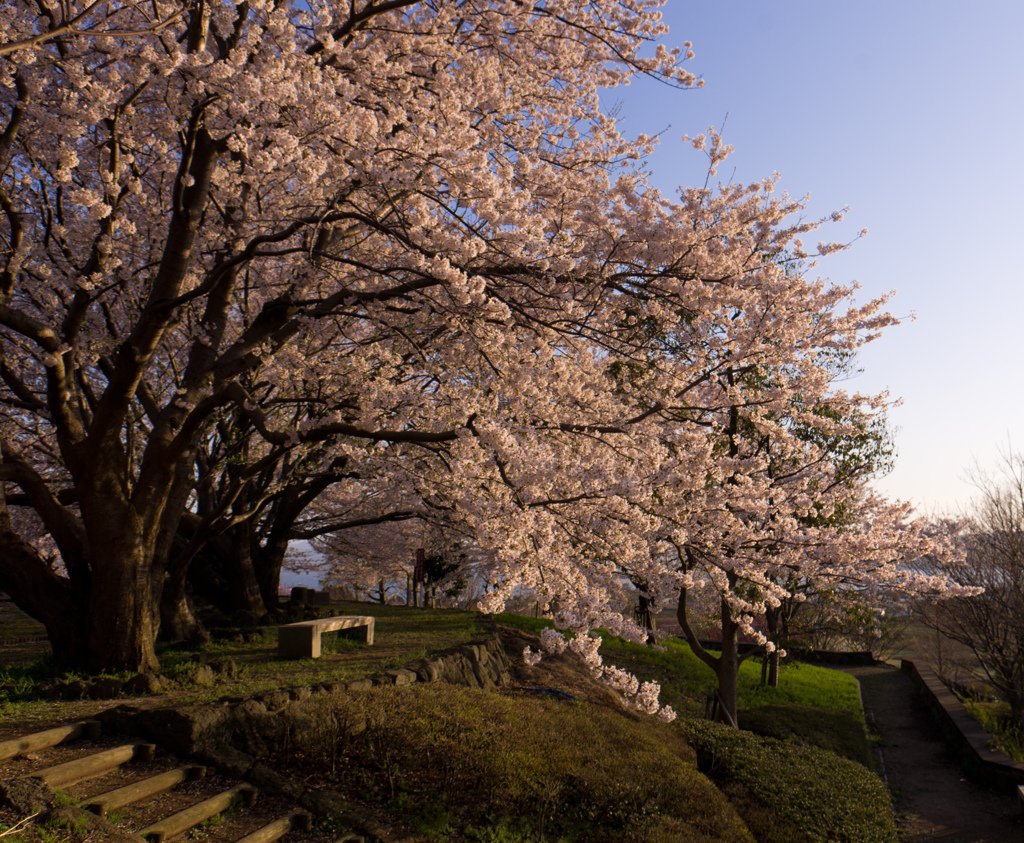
967 736
232 732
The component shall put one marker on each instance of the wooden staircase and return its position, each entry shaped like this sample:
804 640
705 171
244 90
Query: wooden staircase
147 796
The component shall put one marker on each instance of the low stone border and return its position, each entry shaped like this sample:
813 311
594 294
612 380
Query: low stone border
14 642
233 733
967 736
245 728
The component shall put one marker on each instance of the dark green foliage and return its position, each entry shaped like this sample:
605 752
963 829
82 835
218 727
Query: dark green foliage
841 732
439 564
828 798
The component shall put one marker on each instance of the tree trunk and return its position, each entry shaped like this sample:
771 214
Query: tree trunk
178 620
773 669
726 666
123 612
728 670
645 616
268 560
1017 709
129 544
773 618
224 574
43 595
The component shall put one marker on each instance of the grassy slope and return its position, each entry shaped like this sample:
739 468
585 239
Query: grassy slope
805 775
459 764
440 759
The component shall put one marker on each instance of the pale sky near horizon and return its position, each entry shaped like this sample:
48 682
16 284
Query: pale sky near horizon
911 113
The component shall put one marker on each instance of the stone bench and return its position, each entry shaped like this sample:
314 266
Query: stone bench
302 640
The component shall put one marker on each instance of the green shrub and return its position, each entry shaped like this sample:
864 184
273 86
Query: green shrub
995 718
577 771
828 799
841 732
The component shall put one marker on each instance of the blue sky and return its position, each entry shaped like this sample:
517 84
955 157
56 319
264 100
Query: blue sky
911 113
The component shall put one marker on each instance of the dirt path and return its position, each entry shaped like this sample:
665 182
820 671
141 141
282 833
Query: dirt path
933 799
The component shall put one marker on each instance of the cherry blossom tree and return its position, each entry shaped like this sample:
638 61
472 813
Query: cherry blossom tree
192 197
396 245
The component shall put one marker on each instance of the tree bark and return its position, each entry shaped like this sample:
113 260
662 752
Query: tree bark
726 666
43 595
224 573
268 560
645 616
123 612
770 670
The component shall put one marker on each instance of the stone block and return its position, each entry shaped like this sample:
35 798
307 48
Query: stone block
143 683
105 689
227 760
275 700
26 796
228 668
269 781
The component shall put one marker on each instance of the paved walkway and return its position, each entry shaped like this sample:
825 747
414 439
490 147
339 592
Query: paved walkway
933 799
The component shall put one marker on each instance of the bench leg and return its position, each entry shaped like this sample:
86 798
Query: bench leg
301 642
358 633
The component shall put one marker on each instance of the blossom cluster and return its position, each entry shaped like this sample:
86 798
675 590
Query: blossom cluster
300 271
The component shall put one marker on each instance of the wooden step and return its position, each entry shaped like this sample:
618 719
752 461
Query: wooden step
182 821
114 799
89 729
297 821
90 766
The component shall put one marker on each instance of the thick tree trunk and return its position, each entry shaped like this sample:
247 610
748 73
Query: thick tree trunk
44 596
645 616
728 669
178 621
123 608
225 574
773 669
1017 710
770 664
129 545
267 563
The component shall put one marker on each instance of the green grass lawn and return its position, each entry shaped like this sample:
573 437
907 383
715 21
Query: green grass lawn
799 768
686 680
